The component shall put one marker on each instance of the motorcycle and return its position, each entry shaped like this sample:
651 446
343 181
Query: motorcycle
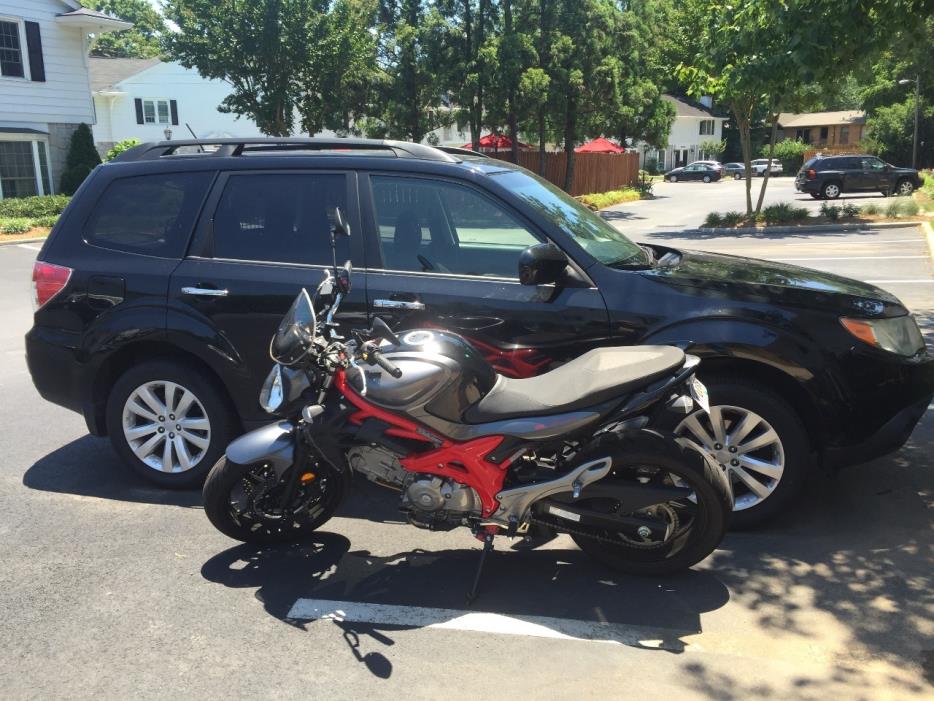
423 413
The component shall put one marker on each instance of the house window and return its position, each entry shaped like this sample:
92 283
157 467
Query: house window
706 127
824 133
844 135
156 111
11 52
24 169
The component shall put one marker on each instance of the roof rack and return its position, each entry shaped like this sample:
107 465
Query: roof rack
458 151
275 145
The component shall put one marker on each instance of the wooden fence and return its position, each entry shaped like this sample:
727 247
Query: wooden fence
831 151
593 172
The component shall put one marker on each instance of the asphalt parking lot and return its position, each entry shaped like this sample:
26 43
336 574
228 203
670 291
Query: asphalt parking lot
114 589
683 205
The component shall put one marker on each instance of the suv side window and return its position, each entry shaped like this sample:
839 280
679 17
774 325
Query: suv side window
148 214
280 217
870 163
431 226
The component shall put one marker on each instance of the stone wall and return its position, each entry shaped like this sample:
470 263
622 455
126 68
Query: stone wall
59 140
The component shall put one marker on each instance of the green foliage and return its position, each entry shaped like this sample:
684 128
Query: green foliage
142 41
47 222
15 225
901 207
645 188
712 147
850 210
927 184
890 130
713 220
733 218
82 158
601 200
871 208
831 212
790 152
784 213
120 147
33 207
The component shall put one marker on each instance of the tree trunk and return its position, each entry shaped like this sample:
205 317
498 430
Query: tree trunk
743 123
512 120
410 71
541 141
768 169
468 61
570 133
542 63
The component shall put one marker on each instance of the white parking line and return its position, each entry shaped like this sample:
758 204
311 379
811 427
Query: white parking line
495 623
859 258
877 242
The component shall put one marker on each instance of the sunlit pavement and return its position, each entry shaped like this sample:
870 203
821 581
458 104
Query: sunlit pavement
111 588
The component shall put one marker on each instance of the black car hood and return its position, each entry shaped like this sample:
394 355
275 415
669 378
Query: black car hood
735 277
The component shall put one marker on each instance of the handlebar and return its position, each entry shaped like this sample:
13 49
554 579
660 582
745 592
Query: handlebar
386 365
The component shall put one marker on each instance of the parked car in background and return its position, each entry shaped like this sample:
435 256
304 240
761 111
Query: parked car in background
159 288
713 164
737 171
760 164
827 177
694 171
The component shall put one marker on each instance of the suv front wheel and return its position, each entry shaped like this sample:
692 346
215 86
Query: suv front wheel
168 423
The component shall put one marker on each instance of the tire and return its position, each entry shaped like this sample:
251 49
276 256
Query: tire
212 423
711 503
904 188
815 195
672 178
885 193
706 178
737 176
225 477
793 448
831 190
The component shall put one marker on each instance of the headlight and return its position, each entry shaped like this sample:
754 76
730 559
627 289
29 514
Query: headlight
898 334
272 394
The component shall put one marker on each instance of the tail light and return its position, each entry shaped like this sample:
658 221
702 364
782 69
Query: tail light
47 281
811 173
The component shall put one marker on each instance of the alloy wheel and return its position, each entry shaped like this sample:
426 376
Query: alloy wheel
905 188
745 445
831 191
166 426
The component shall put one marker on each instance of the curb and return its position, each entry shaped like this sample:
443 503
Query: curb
13 243
928 230
813 229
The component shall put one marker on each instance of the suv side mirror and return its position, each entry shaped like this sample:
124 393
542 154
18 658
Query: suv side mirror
542 264
340 227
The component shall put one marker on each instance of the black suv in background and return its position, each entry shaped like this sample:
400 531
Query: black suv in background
158 291
826 177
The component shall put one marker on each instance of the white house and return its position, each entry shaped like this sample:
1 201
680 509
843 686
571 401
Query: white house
152 100
694 124
44 88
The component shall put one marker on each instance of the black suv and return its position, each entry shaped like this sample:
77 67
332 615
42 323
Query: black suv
167 274
825 177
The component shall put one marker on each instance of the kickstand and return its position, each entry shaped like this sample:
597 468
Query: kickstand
487 547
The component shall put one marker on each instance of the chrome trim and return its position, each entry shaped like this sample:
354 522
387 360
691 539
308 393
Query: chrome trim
398 304
515 503
203 292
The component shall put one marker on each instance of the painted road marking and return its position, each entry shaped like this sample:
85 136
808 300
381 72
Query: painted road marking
29 246
491 623
859 258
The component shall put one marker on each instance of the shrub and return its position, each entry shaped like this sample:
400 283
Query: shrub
850 210
790 152
830 211
600 200
651 165
910 208
45 222
902 207
871 208
893 209
82 158
15 225
38 206
120 147
733 218
713 220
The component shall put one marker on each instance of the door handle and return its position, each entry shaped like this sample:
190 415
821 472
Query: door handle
204 292
397 304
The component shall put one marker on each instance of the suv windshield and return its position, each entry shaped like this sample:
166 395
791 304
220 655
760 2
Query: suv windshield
589 230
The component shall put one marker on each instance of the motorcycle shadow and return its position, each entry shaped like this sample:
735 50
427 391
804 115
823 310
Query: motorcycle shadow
534 586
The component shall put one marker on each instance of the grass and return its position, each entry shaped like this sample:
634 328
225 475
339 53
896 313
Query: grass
602 200
784 213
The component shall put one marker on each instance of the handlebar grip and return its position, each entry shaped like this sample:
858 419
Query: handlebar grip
387 365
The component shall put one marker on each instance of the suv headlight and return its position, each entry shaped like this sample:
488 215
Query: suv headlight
899 334
272 393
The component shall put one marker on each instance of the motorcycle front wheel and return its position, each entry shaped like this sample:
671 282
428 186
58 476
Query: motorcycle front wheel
244 502
683 531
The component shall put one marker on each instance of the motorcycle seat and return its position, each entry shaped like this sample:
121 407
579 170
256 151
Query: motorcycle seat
594 377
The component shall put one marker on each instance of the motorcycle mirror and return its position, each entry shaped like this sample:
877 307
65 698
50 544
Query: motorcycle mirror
381 330
340 226
542 264
344 278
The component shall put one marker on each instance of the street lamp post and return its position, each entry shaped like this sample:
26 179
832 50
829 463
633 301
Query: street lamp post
914 144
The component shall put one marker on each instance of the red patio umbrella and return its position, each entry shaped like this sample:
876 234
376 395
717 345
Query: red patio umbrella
599 145
496 142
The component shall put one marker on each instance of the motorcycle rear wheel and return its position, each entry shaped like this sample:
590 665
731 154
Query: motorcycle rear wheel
241 502
698 523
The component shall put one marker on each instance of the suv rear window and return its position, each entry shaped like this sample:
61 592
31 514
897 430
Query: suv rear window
148 214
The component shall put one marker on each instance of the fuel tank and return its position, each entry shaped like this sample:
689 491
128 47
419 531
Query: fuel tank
441 373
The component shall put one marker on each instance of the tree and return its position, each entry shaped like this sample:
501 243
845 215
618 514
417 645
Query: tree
142 41
120 147
81 159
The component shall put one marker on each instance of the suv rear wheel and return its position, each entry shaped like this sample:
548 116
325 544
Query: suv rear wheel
904 188
168 423
830 191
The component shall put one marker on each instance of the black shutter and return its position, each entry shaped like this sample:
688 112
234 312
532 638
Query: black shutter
139 110
34 49
173 105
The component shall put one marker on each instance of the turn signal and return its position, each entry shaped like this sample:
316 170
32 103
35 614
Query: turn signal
47 281
861 329
308 477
